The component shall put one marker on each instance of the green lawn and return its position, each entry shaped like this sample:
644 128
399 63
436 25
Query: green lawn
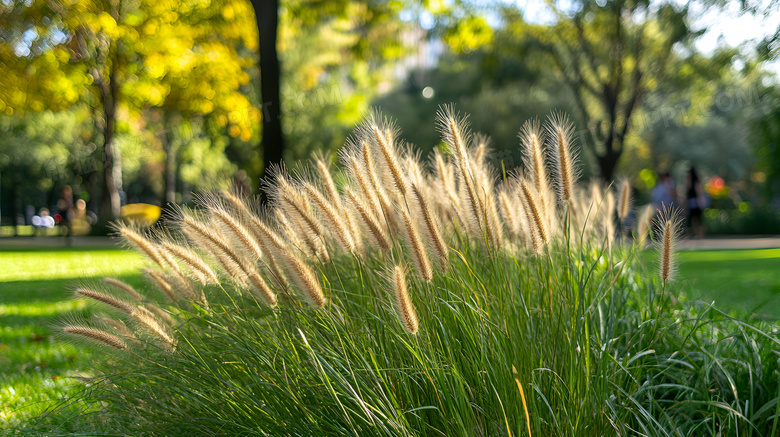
739 281
35 284
35 289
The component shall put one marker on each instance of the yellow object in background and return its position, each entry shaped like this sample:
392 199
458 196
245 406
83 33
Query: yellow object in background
141 213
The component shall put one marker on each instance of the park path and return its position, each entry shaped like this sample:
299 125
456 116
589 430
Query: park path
720 243
711 243
17 243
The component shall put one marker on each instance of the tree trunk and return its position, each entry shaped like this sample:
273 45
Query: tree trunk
112 169
272 144
170 171
608 162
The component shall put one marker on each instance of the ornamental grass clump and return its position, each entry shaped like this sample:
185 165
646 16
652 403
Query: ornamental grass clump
392 296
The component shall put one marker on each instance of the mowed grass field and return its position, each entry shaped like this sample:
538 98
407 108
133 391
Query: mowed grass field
35 291
36 284
740 282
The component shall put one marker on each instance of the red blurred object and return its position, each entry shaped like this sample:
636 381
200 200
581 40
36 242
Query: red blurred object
716 186
57 218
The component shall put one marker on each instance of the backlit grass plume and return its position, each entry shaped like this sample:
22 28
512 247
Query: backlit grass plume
667 229
399 295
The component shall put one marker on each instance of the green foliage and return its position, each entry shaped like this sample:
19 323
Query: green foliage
766 136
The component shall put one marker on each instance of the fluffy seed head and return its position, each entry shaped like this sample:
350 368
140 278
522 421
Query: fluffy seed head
432 227
416 247
127 288
625 199
535 215
643 226
532 139
155 326
162 284
380 132
334 220
375 228
323 170
668 228
106 299
96 335
305 279
560 131
137 240
403 302
232 227
199 268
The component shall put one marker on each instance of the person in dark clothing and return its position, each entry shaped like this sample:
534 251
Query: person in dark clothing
695 203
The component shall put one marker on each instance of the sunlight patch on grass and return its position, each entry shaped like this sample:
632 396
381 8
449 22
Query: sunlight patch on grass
43 309
39 265
728 255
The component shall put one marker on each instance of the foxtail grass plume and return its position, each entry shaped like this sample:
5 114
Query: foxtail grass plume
148 320
532 139
158 279
196 264
335 222
668 228
138 240
376 229
106 299
456 134
96 335
321 163
559 132
534 215
236 232
305 279
127 288
624 205
381 133
386 205
643 225
432 226
403 302
415 244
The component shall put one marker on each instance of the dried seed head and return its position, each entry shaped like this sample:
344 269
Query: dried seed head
335 221
162 284
668 229
127 288
305 279
416 247
159 313
375 228
532 139
535 215
403 302
199 268
137 240
96 335
155 326
106 299
381 132
236 232
643 227
323 169
262 289
209 239
625 199
560 131
432 227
